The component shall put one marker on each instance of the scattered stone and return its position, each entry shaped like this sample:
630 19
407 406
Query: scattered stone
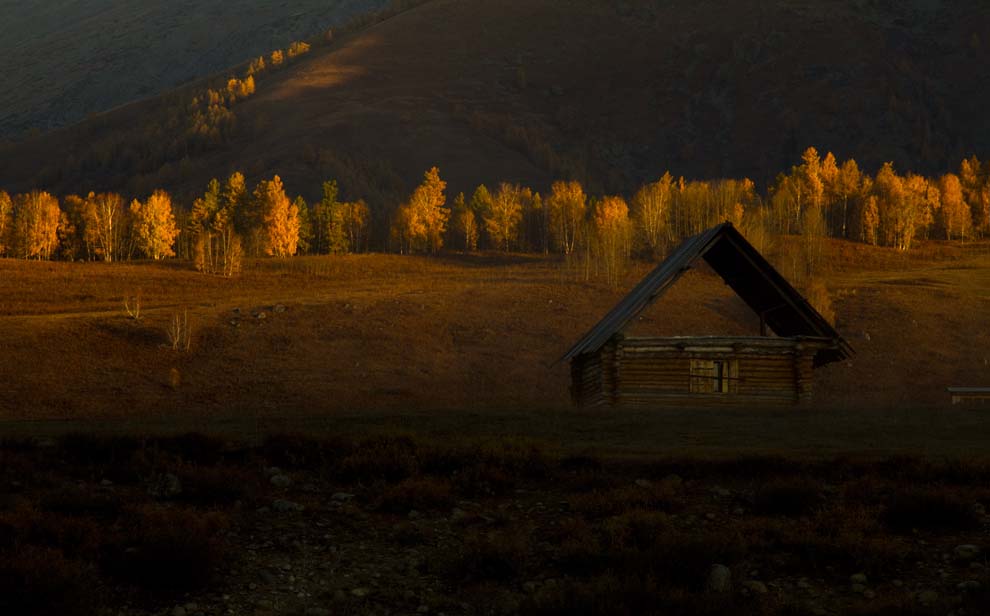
423 609
106 483
721 492
859 588
286 506
966 552
341 497
278 309
360 592
673 480
165 486
280 481
975 565
755 586
317 611
858 578
267 576
260 315
192 607
803 583
719 579
969 585
413 515
178 611
898 583
644 483
869 594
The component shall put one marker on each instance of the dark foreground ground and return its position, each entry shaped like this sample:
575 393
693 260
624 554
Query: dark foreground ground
387 524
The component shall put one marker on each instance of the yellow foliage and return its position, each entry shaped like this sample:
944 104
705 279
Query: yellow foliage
154 225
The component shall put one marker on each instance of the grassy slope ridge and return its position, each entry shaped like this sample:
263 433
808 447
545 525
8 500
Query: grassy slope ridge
65 59
609 92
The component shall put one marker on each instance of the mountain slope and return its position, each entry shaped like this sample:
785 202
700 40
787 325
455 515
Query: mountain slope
63 59
610 92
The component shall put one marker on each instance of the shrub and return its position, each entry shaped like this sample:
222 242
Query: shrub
193 447
580 551
218 485
94 450
416 493
636 529
40 582
302 452
600 503
498 556
929 508
788 497
81 501
167 550
381 458
612 595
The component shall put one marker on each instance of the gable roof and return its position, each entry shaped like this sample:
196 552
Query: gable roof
744 269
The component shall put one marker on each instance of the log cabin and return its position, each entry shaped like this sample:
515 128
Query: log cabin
609 368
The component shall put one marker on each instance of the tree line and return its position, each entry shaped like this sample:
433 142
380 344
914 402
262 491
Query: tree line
820 197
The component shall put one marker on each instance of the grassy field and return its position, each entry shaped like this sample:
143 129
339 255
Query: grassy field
466 345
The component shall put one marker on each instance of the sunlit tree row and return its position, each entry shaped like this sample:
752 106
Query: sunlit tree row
820 197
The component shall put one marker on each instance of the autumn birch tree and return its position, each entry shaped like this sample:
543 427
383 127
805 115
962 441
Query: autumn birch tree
280 218
652 212
154 225
423 219
36 222
6 222
566 208
502 222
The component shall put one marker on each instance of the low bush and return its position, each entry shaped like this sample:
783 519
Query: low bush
81 501
930 508
788 497
421 493
41 581
166 550
662 496
378 459
303 452
218 485
493 555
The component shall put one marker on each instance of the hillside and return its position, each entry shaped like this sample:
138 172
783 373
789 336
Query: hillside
64 59
476 334
609 92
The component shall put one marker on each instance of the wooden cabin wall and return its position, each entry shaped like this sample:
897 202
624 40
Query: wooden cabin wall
614 377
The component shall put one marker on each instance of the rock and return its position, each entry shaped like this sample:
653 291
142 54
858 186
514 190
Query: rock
969 585
869 594
278 309
721 492
165 486
286 506
260 315
966 552
755 586
317 611
413 515
858 588
898 583
267 576
858 578
360 592
178 611
423 609
280 481
927 597
644 483
106 483
719 579
192 607
341 497
531 587
673 480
